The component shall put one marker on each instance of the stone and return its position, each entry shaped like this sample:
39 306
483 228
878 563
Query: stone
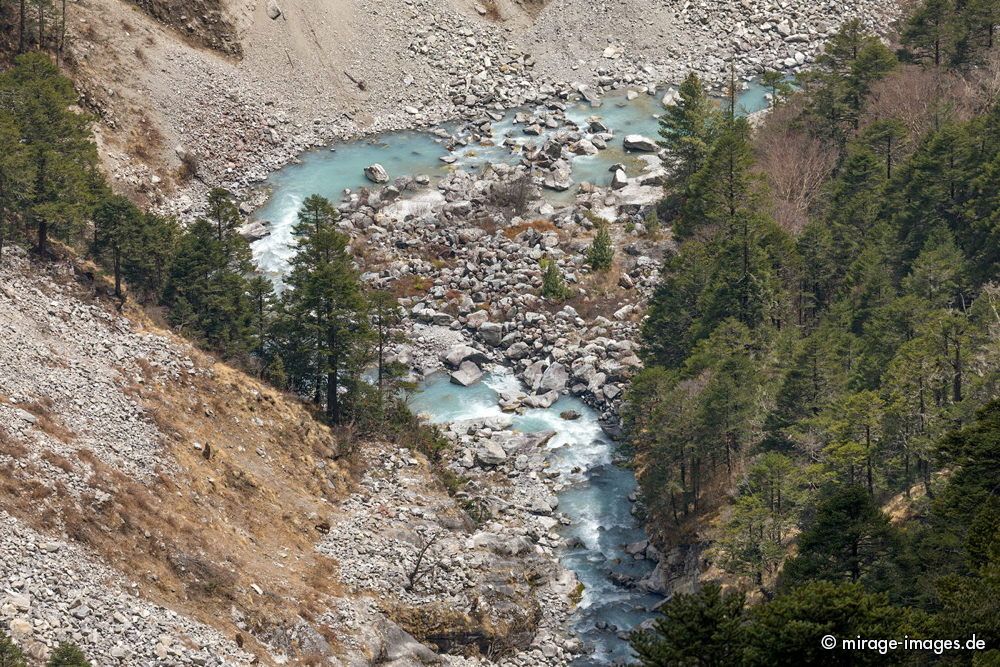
554 378
467 374
490 453
637 142
273 11
376 173
541 400
477 319
456 354
491 333
20 629
255 230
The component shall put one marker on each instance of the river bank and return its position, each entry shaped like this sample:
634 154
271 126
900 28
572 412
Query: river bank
243 120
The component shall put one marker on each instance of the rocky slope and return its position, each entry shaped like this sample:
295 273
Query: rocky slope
161 508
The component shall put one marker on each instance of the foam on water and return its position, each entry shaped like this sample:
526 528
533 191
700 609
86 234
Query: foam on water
596 502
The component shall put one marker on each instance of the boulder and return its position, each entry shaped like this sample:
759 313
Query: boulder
255 230
477 319
491 333
456 354
376 173
554 378
541 400
490 453
467 374
637 142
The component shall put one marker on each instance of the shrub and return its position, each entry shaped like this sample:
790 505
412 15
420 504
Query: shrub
553 285
68 655
10 655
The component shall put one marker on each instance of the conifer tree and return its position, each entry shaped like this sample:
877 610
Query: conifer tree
553 284
324 309
208 289
601 253
116 223
58 145
10 654
67 655
686 128
15 175
775 82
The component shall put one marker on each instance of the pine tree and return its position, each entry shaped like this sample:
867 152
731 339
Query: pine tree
386 318
844 542
724 187
116 222
695 629
884 137
15 175
553 284
58 144
223 213
208 289
776 82
148 253
928 30
10 654
601 254
324 310
686 129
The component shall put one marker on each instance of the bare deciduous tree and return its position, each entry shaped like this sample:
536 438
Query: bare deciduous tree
423 565
795 165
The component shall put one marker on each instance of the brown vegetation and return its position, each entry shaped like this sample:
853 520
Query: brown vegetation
44 411
795 165
540 226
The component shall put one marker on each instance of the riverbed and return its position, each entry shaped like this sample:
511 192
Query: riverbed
595 499
332 170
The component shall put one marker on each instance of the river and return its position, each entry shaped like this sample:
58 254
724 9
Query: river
596 501
597 497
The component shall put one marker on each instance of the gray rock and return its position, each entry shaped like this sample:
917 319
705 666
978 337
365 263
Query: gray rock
637 142
376 173
456 354
554 378
490 453
467 374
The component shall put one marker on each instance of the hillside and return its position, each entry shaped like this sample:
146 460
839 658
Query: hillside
181 508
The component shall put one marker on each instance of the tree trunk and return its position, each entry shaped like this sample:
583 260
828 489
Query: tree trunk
332 381
22 27
41 25
43 237
118 272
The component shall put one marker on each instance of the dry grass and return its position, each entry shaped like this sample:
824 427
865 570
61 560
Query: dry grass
197 538
11 447
59 461
44 411
540 226
409 286
145 140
